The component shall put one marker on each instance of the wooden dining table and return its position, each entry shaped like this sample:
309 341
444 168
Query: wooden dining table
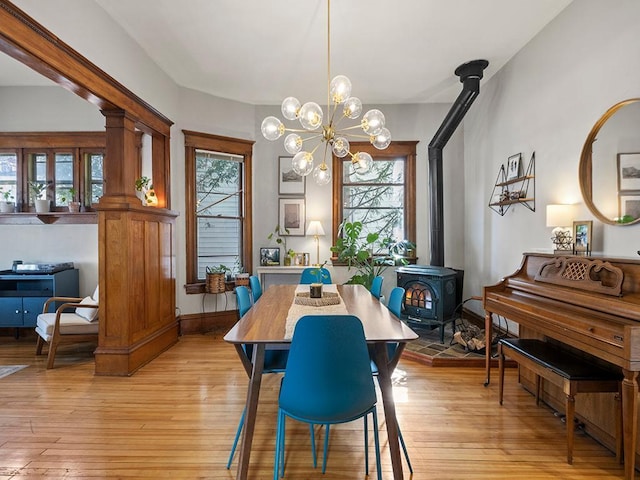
265 325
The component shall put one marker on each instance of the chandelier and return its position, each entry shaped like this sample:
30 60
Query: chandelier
328 130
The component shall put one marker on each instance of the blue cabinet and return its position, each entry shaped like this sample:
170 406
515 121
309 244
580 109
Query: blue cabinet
22 296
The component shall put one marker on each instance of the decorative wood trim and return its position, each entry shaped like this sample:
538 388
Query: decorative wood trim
136 255
52 139
58 218
583 274
196 140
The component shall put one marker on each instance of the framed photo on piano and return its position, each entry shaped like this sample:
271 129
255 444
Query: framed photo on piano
582 237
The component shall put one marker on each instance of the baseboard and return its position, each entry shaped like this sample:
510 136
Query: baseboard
218 323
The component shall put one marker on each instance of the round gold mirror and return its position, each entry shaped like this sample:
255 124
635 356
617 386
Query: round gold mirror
609 168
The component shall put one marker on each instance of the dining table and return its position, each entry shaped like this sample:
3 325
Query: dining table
269 324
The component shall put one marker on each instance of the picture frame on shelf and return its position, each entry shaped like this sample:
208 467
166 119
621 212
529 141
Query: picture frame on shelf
269 256
629 207
582 236
292 216
301 260
289 182
514 166
628 166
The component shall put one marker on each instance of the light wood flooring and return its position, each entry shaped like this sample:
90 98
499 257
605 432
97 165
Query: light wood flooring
176 417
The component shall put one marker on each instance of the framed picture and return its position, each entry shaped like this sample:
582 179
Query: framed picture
513 166
292 216
301 260
582 236
629 207
289 182
629 173
269 256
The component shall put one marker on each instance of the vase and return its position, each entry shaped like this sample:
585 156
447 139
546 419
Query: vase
6 207
42 206
74 207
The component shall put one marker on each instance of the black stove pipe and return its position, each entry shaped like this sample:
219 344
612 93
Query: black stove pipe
470 74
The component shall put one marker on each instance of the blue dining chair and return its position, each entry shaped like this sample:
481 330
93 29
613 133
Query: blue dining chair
327 381
376 286
243 300
256 288
396 299
315 275
275 361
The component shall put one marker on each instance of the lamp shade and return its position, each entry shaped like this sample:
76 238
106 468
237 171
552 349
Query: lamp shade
560 215
315 228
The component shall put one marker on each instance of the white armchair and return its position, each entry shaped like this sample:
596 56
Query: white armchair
76 320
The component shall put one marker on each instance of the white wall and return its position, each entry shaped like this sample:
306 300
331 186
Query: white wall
546 99
50 109
92 32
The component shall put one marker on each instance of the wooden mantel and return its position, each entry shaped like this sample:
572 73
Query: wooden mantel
136 254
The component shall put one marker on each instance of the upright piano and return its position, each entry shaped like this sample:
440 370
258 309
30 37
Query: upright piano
589 303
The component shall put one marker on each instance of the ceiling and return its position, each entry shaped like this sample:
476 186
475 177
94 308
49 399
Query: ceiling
260 52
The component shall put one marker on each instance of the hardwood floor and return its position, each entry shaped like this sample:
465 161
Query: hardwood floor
176 417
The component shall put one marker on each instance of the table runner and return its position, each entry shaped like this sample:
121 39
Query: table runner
297 311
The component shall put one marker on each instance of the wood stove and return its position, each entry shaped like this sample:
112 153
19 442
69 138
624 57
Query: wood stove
431 295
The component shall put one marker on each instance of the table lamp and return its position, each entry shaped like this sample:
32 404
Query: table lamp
315 229
560 217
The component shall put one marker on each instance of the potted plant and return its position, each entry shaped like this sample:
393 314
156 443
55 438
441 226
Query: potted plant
216 276
144 185
6 205
38 192
370 256
67 196
281 239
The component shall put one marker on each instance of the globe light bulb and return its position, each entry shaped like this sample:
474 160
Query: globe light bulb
352 108
321 174
290 108
339 89
373 122
293 143
272 128
302 163
340 147
310 116
362 162
382 139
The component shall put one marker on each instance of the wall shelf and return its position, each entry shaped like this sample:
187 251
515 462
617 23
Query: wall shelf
507 192
33 218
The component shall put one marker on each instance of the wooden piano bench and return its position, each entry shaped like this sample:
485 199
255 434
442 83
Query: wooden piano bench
570 372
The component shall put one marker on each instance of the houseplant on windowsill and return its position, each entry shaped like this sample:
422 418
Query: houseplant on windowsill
38 191
369 257
6 205
67 196
216 276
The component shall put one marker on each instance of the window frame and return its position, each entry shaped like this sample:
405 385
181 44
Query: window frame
23 144
403 149
203 141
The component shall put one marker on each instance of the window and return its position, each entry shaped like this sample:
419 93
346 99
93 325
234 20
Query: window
8 176
383 199
218 204
62 161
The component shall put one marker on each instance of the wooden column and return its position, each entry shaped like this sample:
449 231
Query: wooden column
136 261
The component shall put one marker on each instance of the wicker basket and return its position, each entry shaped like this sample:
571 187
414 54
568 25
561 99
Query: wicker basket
215 283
